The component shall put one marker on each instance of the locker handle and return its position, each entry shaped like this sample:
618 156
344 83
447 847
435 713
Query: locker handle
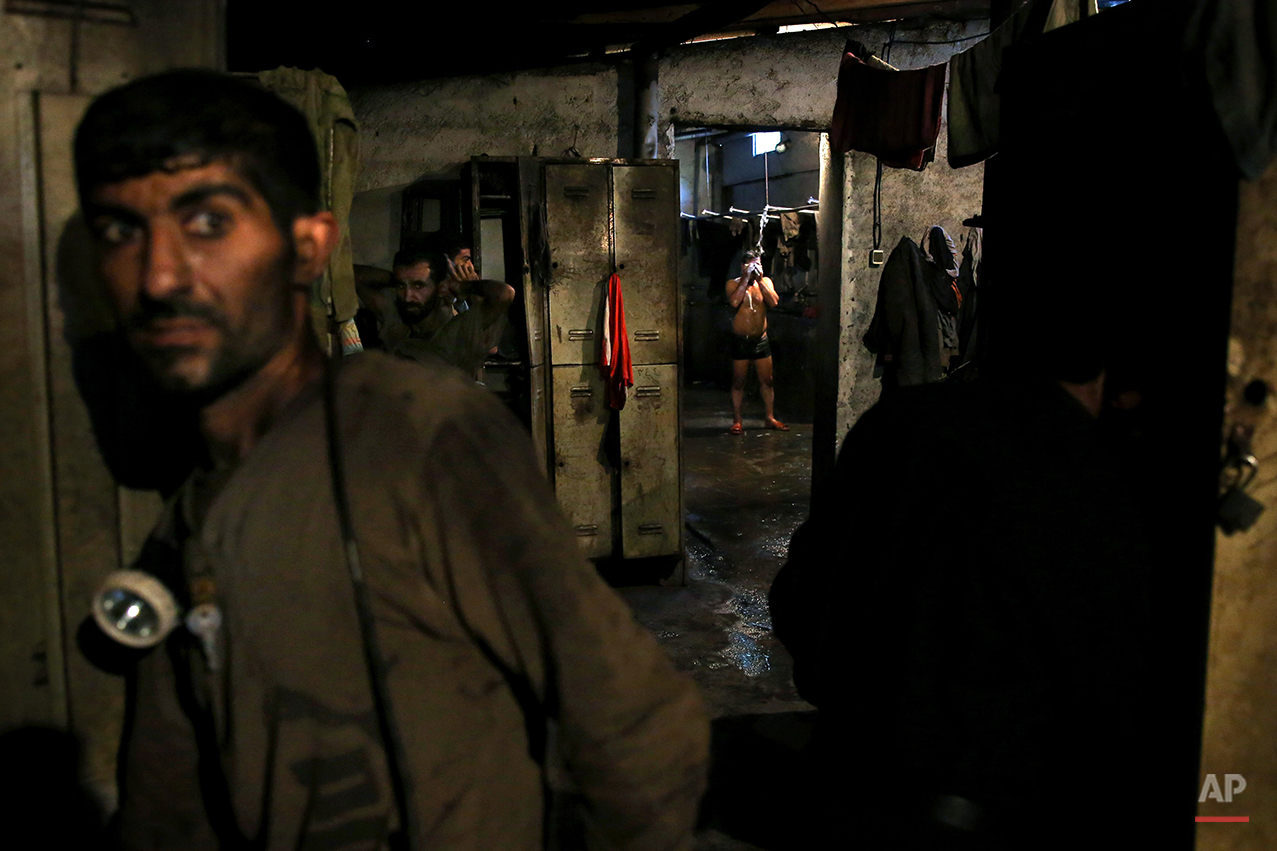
651 528
647 390
580 333
642 194
576 191
581 390
647 336
587 529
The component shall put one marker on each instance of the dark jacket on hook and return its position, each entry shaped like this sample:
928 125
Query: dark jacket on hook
917 324
903 332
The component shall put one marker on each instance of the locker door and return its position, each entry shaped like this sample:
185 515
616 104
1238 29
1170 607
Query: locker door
651 517
582 474
536 380
576 208
645 199
533 291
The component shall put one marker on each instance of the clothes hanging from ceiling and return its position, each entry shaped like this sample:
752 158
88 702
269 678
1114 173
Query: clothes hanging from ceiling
894 115
975 104
790 225
1236 46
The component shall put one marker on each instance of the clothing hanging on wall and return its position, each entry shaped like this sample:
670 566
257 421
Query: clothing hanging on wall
919 320
894 115
614 359
321 98
969 285
903 329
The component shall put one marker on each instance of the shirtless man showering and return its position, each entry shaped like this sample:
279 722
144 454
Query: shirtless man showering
751 294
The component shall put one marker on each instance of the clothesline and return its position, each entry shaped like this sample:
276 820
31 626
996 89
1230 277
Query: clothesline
812 206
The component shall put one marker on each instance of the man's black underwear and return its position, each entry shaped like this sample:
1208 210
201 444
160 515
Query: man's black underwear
750 348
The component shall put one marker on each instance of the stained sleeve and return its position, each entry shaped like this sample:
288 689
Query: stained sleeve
632 731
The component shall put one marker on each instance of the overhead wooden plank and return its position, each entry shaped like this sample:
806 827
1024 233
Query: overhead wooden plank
787 11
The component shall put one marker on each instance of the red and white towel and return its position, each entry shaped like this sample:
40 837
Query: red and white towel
618 372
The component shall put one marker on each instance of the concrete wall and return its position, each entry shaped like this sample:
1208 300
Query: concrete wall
374 226
429 129
63 523
1241 690
765 82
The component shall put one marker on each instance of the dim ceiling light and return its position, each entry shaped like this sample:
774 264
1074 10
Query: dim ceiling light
782 146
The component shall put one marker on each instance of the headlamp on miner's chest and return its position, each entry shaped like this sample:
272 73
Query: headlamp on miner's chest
135 609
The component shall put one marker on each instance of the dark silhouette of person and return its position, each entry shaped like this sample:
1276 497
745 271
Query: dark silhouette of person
966 606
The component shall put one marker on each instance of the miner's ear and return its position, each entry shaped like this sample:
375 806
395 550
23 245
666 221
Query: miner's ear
314 238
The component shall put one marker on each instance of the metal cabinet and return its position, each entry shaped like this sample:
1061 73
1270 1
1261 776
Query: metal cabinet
583 476
651 515
577 213
617 475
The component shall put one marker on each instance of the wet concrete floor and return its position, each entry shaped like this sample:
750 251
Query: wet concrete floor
745 496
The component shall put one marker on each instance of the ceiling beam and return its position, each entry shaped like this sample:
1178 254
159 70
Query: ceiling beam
708 18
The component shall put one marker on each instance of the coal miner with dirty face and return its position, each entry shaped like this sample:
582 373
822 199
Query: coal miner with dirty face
202 193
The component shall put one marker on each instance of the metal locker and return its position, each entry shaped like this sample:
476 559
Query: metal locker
645 201
536 390
651 521
583 476
577 206
533 292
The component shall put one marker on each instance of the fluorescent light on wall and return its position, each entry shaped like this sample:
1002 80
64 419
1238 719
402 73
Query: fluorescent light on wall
765 143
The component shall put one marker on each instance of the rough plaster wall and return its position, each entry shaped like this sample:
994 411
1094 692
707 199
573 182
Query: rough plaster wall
1241 690
374 226
781 81
432 127
911 201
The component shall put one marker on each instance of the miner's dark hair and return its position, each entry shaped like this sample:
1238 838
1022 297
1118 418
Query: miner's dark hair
184 118
751 255
423 252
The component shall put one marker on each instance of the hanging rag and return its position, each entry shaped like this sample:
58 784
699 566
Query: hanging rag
618 371
903 331
1235 43
790 225
894 115
321 98
917 326
969 285
975 105
942 272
